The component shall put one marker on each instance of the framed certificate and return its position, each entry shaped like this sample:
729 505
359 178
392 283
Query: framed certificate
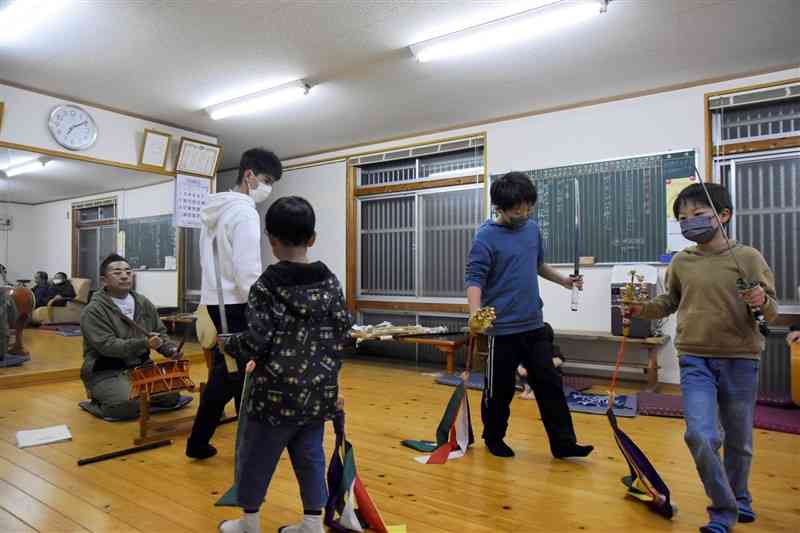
198 158
154 149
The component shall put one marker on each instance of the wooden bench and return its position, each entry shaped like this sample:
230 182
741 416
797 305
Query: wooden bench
651 344
179 318
649 366
447 344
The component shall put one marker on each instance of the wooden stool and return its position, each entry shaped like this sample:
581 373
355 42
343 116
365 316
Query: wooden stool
153 380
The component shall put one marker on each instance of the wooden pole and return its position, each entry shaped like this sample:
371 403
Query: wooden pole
126 451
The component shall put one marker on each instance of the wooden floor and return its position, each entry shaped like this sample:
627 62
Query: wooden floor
56 358
42 489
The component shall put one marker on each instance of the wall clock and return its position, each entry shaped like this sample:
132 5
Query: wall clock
72 127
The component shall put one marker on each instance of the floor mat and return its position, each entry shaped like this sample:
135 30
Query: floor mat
94 409
476 381
783 419
655 404
597 404
13 360
775 401
69 331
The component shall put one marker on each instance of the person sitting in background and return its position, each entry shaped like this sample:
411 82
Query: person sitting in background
794 334
62 290
112 346
794 330
41 289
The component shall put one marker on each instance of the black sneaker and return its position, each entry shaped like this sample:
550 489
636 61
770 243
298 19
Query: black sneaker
196 452
499 448
573 450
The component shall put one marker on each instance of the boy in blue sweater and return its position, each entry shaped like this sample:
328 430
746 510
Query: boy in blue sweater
504 264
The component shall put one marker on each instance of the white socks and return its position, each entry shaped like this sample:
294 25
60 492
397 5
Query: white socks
249 523
310 524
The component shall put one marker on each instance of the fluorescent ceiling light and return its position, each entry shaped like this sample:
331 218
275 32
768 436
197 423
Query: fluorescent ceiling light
526 25
28 166
22 16
260 101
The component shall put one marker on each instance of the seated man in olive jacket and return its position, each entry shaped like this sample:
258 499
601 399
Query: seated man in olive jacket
112 346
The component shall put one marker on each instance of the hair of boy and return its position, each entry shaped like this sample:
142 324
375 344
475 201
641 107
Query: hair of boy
113 258
42 275
260 161
694 194
59 275
511 190
291 221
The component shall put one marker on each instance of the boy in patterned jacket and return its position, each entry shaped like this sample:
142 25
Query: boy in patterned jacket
297 323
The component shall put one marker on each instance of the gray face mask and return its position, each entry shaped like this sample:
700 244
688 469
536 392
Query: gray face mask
58 281
700 229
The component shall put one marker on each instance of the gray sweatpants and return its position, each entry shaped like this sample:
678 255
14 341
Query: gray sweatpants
110 389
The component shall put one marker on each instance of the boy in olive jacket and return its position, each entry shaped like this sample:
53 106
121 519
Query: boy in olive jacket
719 345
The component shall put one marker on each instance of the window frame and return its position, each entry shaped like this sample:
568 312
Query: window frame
730 183
418 245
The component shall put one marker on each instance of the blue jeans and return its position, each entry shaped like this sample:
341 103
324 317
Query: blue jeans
261 448
719 396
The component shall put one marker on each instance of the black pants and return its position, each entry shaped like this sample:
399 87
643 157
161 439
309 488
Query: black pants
222 386
534 350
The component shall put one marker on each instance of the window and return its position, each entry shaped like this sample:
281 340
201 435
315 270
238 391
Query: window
779 119
415 245
417 211
756 135
766 195
462 158
95 237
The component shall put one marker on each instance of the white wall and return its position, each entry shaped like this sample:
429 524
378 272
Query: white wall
49 240
42 238
649 124
325 189
119 136
16 250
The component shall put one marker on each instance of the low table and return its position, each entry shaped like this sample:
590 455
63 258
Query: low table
651 344
179 318
447 344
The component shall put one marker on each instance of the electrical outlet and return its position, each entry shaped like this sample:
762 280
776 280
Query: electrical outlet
6 223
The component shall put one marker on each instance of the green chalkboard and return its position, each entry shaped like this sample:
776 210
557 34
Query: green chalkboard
149 241
623 207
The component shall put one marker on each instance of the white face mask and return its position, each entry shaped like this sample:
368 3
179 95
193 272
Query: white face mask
260 193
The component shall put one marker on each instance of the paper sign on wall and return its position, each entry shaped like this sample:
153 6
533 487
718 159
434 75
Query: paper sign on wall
675 239
191 196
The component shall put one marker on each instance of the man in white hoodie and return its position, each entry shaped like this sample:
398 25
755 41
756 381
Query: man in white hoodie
230 218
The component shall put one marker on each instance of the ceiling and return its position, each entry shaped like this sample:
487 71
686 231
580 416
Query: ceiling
169 60
64 178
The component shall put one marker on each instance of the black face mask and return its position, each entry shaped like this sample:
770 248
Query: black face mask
516 222
700 229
